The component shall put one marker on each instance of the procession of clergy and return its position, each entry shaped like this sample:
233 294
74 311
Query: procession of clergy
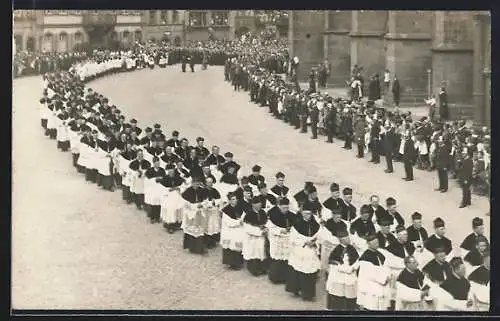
371 257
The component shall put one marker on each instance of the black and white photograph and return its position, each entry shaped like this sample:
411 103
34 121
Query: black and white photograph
304 160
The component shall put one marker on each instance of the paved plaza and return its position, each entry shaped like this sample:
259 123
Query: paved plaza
78 247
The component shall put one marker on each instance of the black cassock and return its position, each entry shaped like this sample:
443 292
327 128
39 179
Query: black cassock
280 191
332 203
337 258
215 160
434 242
335 227
481 275
384 240
436 272
256 179
457 287
195 244
264 199
398 249
348 211
211 240
230 257
469 242
474 258
362 228
278 269
416 235
299 282
379 212
300 197
258 219
229 179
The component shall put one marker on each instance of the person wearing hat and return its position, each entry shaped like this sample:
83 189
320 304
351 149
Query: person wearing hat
171 202
138 167
279 225
443 162
229 162
347 209
168 156
183 150
376 210
385 237
456 292
211 211
475 257
330 122
480 285
146 140
373 278
232 233
193 220
255 178
174 140
409 154
443 104
279 190
416 232
244 184
469 243
201 151
465 177
153 175
134 128
361 227
341 284
438 239
313 204
267 199
314 118
104 162
254 242
400 249
437 269
391 210
333 202
303 260
411 287
192 162
347 128
388 142
333 225
215 159
91 172
207 173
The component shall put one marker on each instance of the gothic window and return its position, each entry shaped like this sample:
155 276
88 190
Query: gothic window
163 17
219 18
197 18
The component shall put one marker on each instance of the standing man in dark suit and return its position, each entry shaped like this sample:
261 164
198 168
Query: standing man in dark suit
375 139
443 104
314 121
396 91
409 156
387 143
465 176
443 163
347 129
360 134
331 122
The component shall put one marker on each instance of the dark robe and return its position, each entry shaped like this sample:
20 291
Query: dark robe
379 212
469 242
481 275
335 227
229 178
267 198
298 282
415 235
362 228
209 175
194 244
136 165
183 153
337 258
398 249
348 211
396 216
437 272
258 219
202 152
215 160
174 143
280 190
413 280
474 258
229 257
226 165
374 257
332 203
170 159
155 172
457 287
312 205
300 197
281 220
256 179
434 242
385 240
171 181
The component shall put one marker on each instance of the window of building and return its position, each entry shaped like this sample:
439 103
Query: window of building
78 37
152 17
219 18
455 31
126 35
62 36
163 17
197 18
175 16
138 35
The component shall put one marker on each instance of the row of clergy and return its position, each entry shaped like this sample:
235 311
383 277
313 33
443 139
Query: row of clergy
180 200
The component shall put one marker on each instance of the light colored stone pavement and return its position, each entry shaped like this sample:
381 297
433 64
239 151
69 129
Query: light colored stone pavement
76 246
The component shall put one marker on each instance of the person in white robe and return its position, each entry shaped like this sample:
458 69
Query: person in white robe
412 288
254 242
454 294
480 285
341 284
194 220
171 200
232 233
212 213
153 190
279 225
138 169
373 278
303 260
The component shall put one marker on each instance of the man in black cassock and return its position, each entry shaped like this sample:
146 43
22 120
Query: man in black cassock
156 174
469 243
416 232
348 210
457 285
437 269
280 190
254 242
193 219
411 287
438 239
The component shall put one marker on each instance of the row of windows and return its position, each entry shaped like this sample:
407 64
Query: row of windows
164 17
199 18
79 36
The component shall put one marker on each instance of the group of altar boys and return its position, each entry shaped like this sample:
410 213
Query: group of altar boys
371 259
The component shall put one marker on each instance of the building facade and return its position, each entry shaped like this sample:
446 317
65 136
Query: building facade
424 49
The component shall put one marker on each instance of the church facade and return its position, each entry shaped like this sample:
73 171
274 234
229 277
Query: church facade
424 49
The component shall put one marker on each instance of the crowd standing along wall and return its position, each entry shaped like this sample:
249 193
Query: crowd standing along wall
419 47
